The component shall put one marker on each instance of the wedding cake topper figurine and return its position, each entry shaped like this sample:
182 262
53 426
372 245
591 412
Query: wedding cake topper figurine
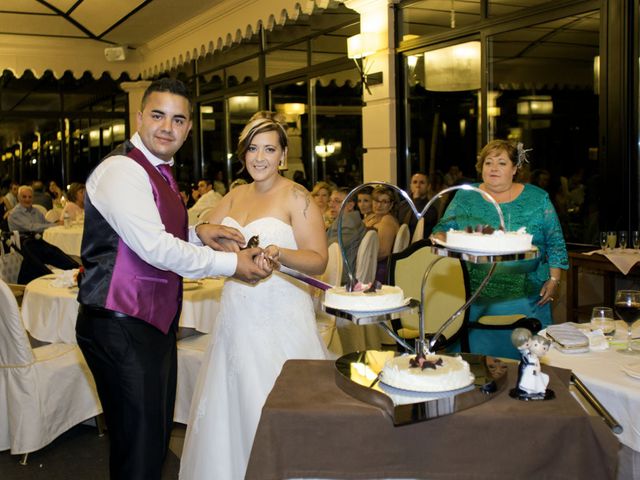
532 381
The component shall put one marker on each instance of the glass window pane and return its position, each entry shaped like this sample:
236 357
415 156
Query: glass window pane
211 82
430 17
443 110
338 136
286 59
543 91
241 73
498 8
241 108
332 45
214 147
291 99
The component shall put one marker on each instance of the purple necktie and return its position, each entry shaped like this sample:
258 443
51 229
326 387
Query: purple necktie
165 170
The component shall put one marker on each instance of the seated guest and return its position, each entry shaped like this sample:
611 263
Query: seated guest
57 195
383 221
365 203
40 197
30 222
420 194
208 199
352 227
10 200
75 202
320 194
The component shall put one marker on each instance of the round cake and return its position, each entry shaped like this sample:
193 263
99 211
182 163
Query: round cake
495 242
386 297
438 373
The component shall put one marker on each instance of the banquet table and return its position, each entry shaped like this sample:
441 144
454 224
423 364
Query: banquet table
310 428
601 372
67 239
49 312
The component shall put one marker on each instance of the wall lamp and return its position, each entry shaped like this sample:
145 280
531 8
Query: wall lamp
359 47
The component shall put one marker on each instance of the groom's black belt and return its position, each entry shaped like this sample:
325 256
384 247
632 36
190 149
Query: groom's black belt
101 312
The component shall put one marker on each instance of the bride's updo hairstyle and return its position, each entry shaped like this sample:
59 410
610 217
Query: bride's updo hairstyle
262 122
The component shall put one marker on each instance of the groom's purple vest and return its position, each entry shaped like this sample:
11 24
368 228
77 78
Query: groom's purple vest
115 277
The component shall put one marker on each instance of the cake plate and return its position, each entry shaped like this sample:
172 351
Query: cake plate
358 374
424 346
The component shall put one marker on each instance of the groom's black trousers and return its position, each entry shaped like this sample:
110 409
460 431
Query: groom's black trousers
134 365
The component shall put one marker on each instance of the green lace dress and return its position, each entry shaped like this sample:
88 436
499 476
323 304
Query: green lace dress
515 286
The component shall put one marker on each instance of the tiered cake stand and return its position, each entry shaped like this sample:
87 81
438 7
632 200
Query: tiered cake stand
358 373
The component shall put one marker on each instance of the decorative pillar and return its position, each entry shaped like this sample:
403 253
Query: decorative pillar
136 91
379 113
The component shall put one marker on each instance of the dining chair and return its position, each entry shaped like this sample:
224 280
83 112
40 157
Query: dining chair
403 237
45 390
418 233
53 215
191 351
328 325
367 257
445 292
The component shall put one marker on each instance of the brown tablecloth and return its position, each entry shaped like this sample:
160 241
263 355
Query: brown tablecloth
310 428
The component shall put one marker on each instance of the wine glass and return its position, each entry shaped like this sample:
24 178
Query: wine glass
604 240
622 239
627 307
635 239
612 239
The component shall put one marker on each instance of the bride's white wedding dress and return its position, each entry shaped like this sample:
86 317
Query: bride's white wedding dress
258 328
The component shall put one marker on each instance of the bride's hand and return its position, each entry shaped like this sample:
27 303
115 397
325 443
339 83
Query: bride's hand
272 254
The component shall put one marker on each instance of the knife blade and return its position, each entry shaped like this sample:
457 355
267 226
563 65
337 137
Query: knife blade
314 282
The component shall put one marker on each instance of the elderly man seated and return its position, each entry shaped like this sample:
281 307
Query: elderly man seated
208 199
353 228
36 253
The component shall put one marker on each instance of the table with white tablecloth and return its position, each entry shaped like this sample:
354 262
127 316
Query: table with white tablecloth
67 239
50 312
602 373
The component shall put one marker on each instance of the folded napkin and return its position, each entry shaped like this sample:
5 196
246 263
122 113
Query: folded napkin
624 260
568 338
65 278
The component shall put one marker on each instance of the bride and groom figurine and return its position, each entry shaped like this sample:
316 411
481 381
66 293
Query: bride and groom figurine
532 381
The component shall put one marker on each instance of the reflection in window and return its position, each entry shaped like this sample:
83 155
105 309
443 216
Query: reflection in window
287 59
338 135
543 92
430 17
443 87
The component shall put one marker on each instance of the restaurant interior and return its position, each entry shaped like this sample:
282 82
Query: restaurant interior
372 91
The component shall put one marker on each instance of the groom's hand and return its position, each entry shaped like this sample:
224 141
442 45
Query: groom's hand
220 237
247 269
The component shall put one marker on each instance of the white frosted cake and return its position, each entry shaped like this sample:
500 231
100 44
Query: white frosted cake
386 297
440 374
495 242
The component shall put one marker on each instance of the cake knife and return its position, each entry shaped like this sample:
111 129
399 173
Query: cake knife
314 282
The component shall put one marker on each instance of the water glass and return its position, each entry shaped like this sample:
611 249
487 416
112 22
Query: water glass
612 239
604 240
622 239
602 318
635 239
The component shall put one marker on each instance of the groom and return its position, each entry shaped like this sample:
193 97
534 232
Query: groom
135 250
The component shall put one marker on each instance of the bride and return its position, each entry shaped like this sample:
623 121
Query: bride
261 325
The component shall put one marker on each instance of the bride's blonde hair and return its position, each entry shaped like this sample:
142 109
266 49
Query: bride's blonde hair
261 122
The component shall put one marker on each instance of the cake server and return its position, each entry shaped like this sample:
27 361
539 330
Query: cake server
314 282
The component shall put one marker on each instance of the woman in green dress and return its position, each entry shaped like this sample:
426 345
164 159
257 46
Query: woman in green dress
522 287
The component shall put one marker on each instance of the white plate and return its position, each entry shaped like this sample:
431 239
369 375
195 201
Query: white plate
481 251
633 370
372 312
